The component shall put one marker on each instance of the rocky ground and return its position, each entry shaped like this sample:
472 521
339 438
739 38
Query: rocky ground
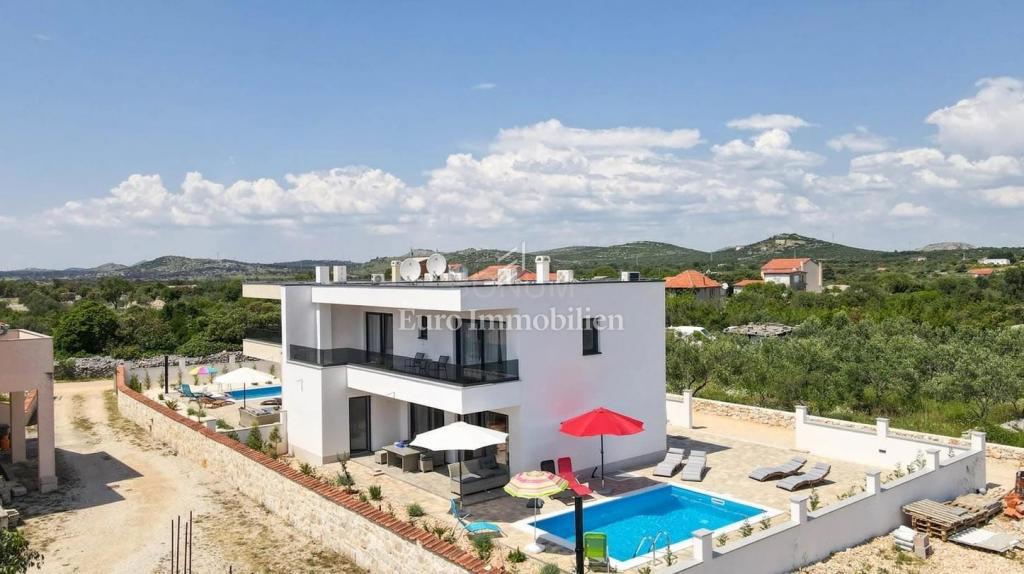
120 491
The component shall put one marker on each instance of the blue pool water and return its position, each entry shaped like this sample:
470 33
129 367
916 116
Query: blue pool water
671 508
252 393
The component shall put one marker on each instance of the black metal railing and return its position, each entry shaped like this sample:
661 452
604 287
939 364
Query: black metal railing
466 375
265 335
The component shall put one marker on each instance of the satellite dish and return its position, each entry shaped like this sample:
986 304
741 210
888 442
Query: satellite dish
411 269
437 265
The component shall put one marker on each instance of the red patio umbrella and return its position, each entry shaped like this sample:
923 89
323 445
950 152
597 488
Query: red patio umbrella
601 421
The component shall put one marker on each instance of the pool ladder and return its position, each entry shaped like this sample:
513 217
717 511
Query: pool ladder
653 541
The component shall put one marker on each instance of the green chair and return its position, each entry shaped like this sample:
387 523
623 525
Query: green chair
595 549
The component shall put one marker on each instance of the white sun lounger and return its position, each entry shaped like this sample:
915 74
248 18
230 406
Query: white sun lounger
672 463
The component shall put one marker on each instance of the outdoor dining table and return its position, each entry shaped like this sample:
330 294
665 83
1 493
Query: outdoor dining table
407 457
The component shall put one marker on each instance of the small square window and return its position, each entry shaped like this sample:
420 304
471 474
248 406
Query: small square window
423 327
591 343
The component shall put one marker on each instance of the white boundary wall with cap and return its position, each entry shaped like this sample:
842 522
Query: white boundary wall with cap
810 536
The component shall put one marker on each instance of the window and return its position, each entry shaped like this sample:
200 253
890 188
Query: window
423 327
591 345
423 419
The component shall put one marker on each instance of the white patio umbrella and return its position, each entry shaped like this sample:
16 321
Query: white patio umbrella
243 376
459 436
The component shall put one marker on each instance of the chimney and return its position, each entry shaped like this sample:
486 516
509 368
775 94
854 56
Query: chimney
543 268
323 274
340 273
394 271
564 276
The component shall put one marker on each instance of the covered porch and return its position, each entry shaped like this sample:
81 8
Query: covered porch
26 381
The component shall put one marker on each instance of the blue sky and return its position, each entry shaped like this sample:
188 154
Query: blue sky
415 107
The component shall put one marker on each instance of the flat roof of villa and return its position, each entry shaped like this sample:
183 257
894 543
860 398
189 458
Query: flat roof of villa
446 284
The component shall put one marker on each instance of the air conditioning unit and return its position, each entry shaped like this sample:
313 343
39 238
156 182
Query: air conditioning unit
508 275
630 276
564 276
377 278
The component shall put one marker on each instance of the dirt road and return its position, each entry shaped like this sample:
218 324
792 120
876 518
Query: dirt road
120 491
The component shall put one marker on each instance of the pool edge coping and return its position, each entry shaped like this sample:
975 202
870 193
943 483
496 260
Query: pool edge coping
525 524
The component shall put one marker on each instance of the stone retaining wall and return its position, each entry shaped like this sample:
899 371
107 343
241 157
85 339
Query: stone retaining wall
760 415
371 538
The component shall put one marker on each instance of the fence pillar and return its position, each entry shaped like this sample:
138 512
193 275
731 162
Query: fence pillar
801 414
978 440
283 425
932 458
873 481
687 409
882 427
798 509
211 424
702 550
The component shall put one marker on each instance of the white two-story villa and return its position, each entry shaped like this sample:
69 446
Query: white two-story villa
366 364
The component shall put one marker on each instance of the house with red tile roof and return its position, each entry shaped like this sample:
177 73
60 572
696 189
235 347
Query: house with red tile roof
798 273
693 281
490 273
981 272
742 284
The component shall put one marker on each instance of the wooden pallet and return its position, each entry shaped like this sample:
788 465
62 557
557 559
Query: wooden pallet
942 519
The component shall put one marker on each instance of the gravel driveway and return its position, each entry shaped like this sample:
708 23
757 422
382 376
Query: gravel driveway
120 490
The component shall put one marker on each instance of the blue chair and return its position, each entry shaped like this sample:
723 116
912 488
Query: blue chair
479 527
186 391
458 512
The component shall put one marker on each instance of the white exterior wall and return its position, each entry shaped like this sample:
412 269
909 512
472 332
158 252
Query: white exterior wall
813 276
556 381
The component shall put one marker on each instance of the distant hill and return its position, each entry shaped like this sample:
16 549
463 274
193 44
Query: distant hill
637 255
794 245
947 246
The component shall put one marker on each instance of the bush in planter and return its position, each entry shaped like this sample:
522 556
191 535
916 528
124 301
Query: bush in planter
550 569
307 469
173 405
255 439
516 556
483 546
375 492
414 510
224 425
134 384
234 436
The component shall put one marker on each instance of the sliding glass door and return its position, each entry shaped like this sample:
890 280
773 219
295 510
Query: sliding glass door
479 343
379 337
359 424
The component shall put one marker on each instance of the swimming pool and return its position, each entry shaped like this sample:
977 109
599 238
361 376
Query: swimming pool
671 508
252 393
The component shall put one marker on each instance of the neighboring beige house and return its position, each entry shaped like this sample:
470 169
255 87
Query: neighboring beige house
26 376
995 262
693 281
799 274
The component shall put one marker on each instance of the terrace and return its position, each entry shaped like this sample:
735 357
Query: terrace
734 448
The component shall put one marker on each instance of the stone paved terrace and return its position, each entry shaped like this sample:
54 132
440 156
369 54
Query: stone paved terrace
734 448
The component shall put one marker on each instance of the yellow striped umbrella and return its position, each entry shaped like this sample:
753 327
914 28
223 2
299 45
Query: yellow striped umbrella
535 484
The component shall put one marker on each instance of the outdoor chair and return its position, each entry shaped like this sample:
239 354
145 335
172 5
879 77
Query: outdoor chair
186 391
479 527
695 466
812 477
595 549
441 364
456 511
788 468
565 471
416 363
671 464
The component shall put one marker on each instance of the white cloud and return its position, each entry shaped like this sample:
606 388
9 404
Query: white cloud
991 122
548 180
555 135
861 140
761 122
485 86
1006 196
42 37
907 209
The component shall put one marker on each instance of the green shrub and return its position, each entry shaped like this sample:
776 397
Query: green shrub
375 492
64 370
516 556
553 569
224 425
414 510
746 529
483 546
255 439
171 404
722 539
307 469
814 501
234 436
134 384
15 554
